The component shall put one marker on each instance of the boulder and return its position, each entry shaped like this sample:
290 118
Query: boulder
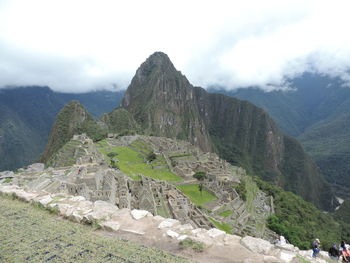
288 247
172 234
256 245
45 200
101 211
62 208
138 214
110 225
26 196
169 222
184 228
76 216
286 255
214 232
182 237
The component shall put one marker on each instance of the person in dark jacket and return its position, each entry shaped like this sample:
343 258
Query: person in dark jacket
334 252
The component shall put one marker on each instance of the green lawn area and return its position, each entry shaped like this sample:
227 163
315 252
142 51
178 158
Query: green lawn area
132 163
30 234
226 213
193 193
222 226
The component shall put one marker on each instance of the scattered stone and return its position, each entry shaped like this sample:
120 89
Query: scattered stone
172 234
257 245
214 232
138 214
45 200
169 222
77 198
182 237
184 228
286 256
110 225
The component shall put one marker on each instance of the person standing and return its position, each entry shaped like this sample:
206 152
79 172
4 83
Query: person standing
316 244
334 252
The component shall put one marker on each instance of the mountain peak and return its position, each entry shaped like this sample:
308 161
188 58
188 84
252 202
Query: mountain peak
157 62
158 58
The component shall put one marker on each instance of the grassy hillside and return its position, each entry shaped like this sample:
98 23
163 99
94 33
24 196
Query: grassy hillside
72 119
30 234
301 222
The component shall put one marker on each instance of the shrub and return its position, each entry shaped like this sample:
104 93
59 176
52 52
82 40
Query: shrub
200 176
195 245
151 156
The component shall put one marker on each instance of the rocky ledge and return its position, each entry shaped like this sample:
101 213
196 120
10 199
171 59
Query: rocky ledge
142 223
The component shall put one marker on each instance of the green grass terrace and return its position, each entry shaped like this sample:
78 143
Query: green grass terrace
197 197
132 161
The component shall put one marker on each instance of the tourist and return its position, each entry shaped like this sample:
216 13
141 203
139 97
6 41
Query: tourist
345 253
316 247
281 241
333 252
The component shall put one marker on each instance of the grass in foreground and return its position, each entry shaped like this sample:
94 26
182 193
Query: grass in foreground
30 234
193 193
132 163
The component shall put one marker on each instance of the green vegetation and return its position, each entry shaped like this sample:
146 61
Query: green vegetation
193 193
190 243
132 162
151 157
226 213
72 119
200 176
121 121
299 221
8 180
29 234
222 226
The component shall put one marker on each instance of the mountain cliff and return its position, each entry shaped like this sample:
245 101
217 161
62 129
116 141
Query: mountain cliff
164 103
316 111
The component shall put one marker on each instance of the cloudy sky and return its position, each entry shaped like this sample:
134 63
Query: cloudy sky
79 45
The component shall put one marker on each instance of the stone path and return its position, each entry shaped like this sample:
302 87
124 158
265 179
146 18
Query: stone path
159 232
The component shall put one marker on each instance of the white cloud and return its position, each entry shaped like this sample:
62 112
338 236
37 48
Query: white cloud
85 44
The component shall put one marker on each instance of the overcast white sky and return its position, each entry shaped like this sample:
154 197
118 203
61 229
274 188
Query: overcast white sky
79 45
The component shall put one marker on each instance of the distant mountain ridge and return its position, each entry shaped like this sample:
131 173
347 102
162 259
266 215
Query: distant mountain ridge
27 114
316 112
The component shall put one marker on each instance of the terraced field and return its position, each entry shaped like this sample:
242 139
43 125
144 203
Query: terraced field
131 161
30 234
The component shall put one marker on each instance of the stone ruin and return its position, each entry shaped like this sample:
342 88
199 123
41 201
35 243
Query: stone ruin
91 177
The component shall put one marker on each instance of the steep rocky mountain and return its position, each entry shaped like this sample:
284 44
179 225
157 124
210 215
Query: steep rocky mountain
164 103
27 114
316 112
